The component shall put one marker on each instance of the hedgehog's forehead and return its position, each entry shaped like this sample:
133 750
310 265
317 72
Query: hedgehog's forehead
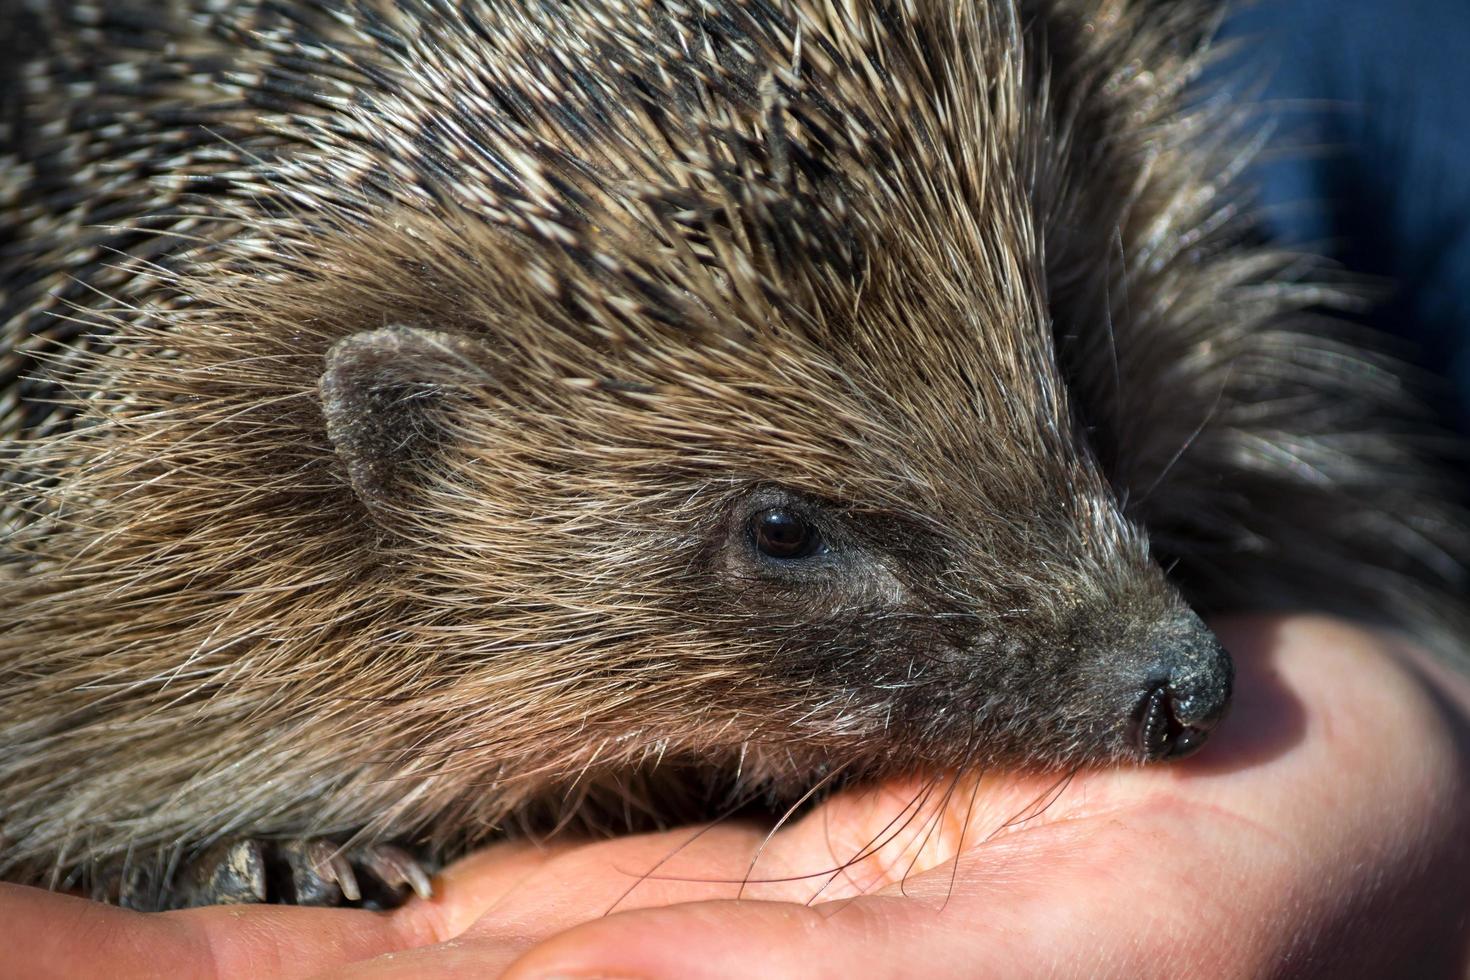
920 435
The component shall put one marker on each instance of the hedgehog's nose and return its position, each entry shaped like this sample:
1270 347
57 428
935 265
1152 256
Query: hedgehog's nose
1186 694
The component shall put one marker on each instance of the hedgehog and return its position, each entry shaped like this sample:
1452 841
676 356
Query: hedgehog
427 420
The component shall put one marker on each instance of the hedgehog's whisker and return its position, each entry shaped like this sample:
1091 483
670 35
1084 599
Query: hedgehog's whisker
877 842
785 818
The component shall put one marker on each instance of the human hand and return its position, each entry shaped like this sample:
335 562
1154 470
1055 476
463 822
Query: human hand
1321 831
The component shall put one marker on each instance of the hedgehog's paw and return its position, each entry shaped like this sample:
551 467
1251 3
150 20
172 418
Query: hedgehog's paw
305 872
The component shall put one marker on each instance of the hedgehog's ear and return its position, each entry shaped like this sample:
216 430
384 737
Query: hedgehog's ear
383 393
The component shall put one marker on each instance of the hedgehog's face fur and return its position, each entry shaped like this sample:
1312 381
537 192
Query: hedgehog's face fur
770 549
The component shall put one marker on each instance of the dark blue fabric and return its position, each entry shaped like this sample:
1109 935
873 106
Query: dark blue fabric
1372 103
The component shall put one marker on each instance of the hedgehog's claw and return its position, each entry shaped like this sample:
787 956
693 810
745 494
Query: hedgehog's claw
396 868
301 872
318 874
345 877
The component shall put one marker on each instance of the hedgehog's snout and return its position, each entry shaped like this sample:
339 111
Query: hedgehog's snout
1186 694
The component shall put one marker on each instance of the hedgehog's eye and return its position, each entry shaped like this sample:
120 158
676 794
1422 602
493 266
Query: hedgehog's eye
781 533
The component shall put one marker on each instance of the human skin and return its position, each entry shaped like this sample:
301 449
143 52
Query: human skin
1320 832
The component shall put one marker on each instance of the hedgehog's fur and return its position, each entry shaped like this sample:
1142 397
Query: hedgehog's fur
385 383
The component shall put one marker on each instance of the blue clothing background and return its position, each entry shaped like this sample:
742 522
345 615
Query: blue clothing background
1372 100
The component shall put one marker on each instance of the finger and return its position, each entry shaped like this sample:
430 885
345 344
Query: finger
60 935
745 937
67 936
1036 902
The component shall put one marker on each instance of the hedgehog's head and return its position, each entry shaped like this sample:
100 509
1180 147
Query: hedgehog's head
879 541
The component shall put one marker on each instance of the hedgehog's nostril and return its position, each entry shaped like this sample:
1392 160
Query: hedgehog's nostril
1159 734
1170 724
